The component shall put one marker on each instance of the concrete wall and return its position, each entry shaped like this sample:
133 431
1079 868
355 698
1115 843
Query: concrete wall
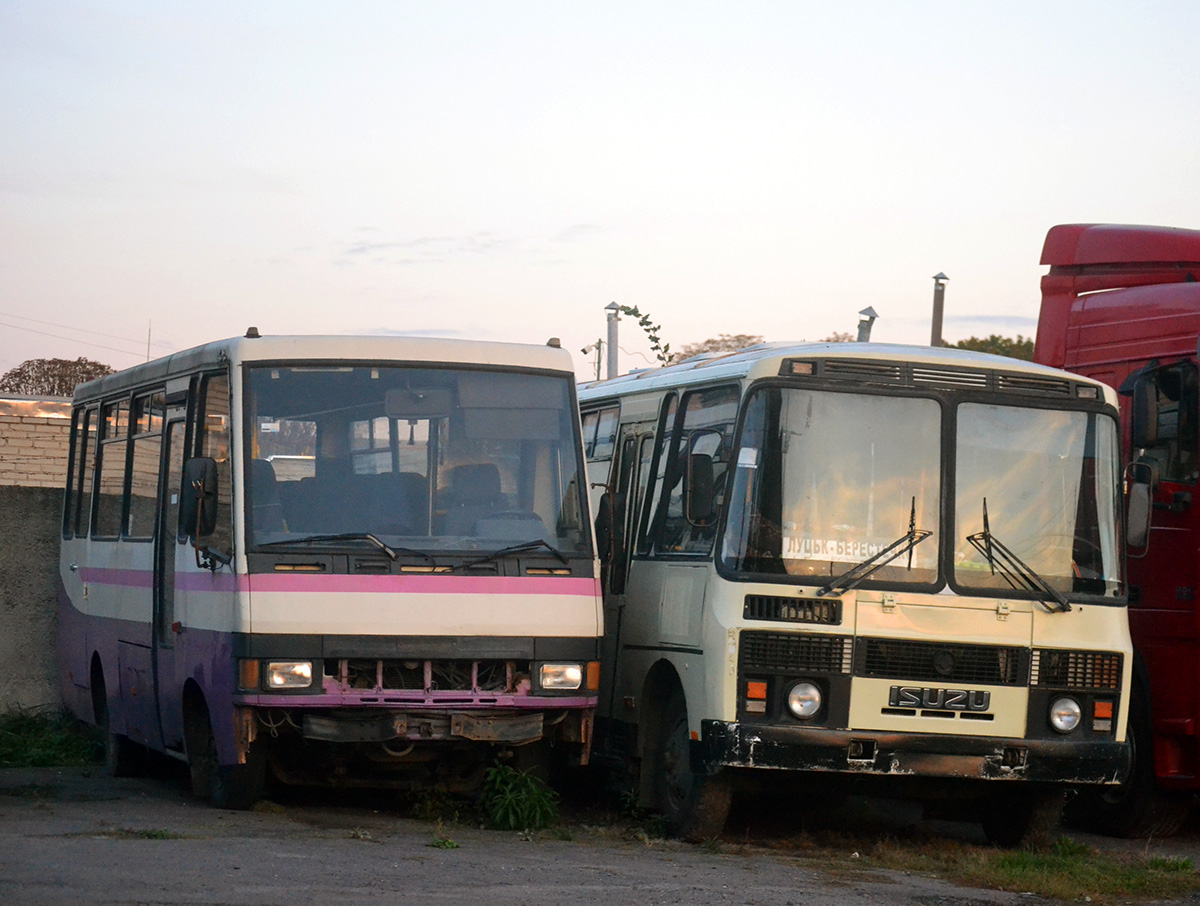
30 521
34 435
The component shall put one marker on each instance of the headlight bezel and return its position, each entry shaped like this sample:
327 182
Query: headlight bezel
287 675
1065 715
561 676
804 700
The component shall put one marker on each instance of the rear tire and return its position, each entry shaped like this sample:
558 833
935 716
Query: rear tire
122 756
1137 807
695 806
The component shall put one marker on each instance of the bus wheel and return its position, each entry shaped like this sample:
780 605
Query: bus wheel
236 786
695 806
1137 807
122 757
1023 817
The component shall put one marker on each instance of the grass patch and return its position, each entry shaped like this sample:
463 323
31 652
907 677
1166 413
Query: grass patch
1067 871
43 738
513 800
149 833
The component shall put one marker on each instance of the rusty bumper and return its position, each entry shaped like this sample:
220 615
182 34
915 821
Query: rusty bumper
1070 760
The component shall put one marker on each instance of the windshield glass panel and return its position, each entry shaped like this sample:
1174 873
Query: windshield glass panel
424 458
824 481
1051 487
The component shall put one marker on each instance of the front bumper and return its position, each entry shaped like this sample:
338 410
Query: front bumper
1071 761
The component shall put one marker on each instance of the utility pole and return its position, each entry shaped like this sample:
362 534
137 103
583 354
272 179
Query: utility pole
598 348
939 302
614 316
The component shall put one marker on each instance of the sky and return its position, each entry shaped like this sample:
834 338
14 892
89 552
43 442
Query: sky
173 173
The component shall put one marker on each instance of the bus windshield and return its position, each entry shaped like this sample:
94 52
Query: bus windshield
1048 482
420 457
825 481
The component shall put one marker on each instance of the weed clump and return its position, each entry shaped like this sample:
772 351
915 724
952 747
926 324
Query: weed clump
39 738
513 800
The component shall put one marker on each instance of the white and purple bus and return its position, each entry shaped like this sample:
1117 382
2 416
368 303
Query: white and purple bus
348 560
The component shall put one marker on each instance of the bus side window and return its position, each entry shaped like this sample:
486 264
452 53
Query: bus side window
78 498
212 421
147 426
708 415
110 469
666 430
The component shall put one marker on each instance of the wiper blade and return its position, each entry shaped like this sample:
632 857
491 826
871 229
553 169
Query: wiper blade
392 552
1015 571
517 549
860 571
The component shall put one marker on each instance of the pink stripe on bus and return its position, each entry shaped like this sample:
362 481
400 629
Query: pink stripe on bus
317 584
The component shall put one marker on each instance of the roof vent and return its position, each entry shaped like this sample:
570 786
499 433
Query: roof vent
252 333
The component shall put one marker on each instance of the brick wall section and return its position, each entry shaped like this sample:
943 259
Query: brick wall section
33 448
34 436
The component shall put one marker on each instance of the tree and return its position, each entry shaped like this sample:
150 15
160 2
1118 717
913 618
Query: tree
838 336
1020 348
724 342
51 377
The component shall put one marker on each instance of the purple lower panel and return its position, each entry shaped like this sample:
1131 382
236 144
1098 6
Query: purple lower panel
459 701
198 659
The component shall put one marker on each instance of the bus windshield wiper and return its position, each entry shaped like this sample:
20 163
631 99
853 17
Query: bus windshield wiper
1015 571
517 549
902 545
392 552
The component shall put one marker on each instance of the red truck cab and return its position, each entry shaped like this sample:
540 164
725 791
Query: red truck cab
1122 304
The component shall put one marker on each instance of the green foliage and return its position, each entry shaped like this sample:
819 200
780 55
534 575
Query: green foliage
39 738
662 350
51 377
435 804
722 342
441 840
513 800
1068 870
1020 348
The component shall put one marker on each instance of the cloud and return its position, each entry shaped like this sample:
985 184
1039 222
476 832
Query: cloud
427 249
577 231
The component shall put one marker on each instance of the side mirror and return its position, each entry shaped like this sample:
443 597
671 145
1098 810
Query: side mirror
698 503
1144 414
1139 505
198 498
604 527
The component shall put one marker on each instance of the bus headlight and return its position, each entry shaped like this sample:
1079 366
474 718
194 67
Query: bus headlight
1065 715
804 700
560 676
289 674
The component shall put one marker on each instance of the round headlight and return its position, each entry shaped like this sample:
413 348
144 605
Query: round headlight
804 700
1065 715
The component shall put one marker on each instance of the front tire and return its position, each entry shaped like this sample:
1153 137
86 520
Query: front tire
695 806
1023 817
1137 807
231 786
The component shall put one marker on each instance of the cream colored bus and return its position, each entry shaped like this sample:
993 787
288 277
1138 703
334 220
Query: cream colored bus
899 566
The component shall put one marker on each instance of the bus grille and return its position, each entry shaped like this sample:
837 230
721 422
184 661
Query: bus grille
793 610
941 662
427 675
1060 669
780 652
